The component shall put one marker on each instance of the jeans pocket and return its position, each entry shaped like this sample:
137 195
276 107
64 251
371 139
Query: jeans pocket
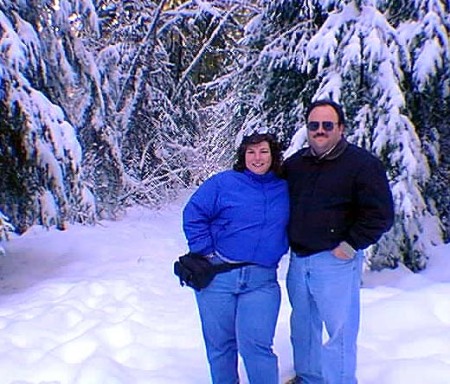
340 259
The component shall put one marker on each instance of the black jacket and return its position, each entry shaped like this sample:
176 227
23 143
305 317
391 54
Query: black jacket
343 197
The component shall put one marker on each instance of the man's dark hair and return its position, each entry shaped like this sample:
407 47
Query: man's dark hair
323 102
256 138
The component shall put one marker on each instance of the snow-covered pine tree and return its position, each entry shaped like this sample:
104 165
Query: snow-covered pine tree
422 31
40 153
77 83
427 36
355 54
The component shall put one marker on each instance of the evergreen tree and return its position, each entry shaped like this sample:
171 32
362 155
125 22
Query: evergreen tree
427 38
51 106
40 155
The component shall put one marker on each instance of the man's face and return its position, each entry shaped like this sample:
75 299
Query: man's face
321 140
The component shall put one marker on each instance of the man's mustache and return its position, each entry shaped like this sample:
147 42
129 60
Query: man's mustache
319 134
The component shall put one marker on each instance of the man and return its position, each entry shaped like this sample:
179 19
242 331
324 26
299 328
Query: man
340 204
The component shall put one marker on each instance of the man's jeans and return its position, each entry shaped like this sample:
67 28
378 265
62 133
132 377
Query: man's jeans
323 289
239 312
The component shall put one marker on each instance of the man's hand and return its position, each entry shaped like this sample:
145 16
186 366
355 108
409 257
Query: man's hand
344 251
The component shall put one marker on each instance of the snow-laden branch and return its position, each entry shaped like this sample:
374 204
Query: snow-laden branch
203 49
143 48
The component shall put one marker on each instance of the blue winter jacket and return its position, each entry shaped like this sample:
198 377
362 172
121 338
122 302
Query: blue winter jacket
241 215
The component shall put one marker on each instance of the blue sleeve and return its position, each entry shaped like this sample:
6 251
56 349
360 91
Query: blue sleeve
198 215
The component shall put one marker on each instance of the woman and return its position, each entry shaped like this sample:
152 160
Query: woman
237 216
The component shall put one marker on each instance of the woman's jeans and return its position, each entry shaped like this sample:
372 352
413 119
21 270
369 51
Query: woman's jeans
239 312
323 289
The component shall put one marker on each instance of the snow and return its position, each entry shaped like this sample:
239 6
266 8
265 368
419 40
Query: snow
100 304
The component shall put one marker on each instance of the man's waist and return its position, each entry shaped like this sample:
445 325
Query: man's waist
303 251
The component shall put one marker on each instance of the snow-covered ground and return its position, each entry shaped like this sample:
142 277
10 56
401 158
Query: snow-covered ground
100 305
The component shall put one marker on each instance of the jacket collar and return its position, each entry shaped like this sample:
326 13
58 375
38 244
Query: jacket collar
331 154
266 177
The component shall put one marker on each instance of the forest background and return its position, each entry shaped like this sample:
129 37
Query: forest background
107 104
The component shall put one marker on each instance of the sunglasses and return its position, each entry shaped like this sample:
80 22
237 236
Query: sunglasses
326 125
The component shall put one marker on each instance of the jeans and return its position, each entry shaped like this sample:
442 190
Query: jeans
324 290
239 312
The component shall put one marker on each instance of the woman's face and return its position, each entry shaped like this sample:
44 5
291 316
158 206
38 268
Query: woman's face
258 158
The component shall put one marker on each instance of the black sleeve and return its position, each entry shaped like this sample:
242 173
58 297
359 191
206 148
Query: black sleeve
374 205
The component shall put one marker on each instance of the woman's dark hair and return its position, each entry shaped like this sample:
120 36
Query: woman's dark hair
256 138
327 102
